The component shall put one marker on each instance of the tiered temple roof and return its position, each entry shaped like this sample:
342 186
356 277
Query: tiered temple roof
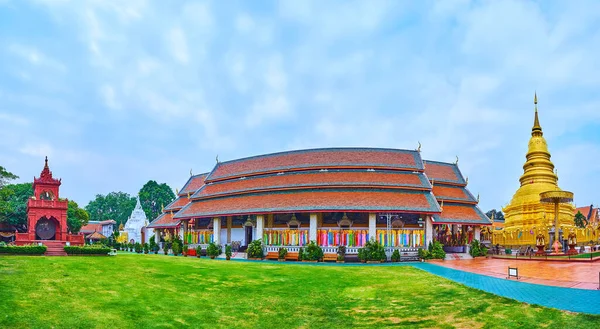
165 219
457 203
327 180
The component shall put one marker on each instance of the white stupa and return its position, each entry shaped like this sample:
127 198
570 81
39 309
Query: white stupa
136 223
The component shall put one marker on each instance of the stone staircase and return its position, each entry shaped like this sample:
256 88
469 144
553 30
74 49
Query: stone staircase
55 248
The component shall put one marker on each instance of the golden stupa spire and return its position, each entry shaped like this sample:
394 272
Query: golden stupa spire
536 121
538 168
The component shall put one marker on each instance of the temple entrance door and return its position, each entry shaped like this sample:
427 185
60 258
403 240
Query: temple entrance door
45 229
143 232
248 235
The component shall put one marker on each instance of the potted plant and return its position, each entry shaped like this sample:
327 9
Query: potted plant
176 247
300 253
185 251
341 257
373 252
312 253
361 255
138 248
396 256
155 248
228 252
281 254
166 247
198 251
146 248
213 250
255 250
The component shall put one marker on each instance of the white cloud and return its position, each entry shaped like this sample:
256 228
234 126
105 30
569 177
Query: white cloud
108 94
177 44
37 150
35 57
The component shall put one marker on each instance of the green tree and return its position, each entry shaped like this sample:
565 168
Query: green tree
6 176
154 196
580 220
76 217
115 205
13 204
498 215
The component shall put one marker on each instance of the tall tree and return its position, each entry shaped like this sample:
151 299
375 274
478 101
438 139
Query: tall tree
154 196
6 176
13 204
580 220
498 215
115 205
76 217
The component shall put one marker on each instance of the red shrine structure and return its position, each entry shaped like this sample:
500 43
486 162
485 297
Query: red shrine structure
47 216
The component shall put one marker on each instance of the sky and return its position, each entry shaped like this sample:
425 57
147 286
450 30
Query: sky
116 93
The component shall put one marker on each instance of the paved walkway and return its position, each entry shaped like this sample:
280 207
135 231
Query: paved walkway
558 274
568 299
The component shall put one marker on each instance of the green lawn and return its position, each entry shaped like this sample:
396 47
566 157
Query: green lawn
145 291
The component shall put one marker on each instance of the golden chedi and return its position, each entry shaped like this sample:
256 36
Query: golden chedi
526 216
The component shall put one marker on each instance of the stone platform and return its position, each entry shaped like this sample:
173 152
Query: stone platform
558 274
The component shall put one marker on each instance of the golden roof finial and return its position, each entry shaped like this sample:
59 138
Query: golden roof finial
536 121
432 182
191 172
456 160
419 148
217 158
162 207
442 205
467 180
177 191
477 197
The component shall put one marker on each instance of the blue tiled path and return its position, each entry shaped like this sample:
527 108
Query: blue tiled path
568 299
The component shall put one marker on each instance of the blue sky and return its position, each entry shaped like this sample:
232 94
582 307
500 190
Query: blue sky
120 92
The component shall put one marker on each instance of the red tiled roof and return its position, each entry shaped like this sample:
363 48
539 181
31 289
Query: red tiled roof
178 203
318 158
452 193
461 214
91 228
313 200
306 179
165 220
443 172
95 236
193 184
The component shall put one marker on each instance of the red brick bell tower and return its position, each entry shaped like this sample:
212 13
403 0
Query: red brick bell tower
47 213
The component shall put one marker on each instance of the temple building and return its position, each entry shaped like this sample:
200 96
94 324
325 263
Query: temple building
333 196
136 225
526 216
100 229
164 225
47 216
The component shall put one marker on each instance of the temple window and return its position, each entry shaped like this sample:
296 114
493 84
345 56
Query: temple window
46 195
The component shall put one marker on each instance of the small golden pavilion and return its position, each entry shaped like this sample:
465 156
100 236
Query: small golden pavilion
526 216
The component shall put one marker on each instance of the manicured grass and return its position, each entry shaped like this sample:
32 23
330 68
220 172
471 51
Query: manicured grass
145 291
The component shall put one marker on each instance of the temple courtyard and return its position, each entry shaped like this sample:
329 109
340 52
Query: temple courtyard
145 291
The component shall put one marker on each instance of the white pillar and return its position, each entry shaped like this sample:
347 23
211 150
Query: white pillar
478 233
372 226
312 233
260 224
428 231
217 230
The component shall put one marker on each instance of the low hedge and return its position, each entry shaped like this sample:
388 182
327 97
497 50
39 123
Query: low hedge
23 250
87 250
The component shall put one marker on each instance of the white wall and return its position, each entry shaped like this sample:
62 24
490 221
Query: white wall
237 234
